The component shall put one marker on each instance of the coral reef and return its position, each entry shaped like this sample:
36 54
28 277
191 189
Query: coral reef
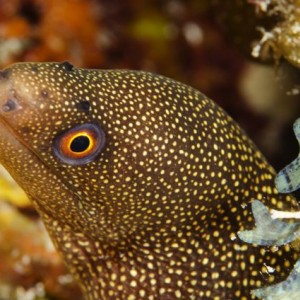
283 40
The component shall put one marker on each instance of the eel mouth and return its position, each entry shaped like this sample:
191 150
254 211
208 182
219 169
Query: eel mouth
7 136
13 150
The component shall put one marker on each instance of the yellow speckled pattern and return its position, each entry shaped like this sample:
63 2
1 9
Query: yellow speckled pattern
156 214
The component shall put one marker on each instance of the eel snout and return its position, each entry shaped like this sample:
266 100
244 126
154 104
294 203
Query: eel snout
17 99
8 95
11 104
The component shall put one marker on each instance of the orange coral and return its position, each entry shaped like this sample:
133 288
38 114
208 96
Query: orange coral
30 258
51 30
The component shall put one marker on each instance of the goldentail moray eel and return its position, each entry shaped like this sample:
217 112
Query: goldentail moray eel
142 182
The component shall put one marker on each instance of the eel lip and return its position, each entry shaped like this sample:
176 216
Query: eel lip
4 127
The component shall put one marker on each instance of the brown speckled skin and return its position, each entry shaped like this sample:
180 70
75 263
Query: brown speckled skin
155 216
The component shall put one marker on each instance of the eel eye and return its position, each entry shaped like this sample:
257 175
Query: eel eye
80 144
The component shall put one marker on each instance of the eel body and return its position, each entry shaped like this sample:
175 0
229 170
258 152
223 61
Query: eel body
142 182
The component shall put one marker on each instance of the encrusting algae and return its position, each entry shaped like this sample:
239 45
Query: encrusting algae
142 182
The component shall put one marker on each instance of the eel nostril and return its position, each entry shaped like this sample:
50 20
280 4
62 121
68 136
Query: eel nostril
4 74
10 105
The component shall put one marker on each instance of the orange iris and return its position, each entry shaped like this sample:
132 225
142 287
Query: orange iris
79 145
